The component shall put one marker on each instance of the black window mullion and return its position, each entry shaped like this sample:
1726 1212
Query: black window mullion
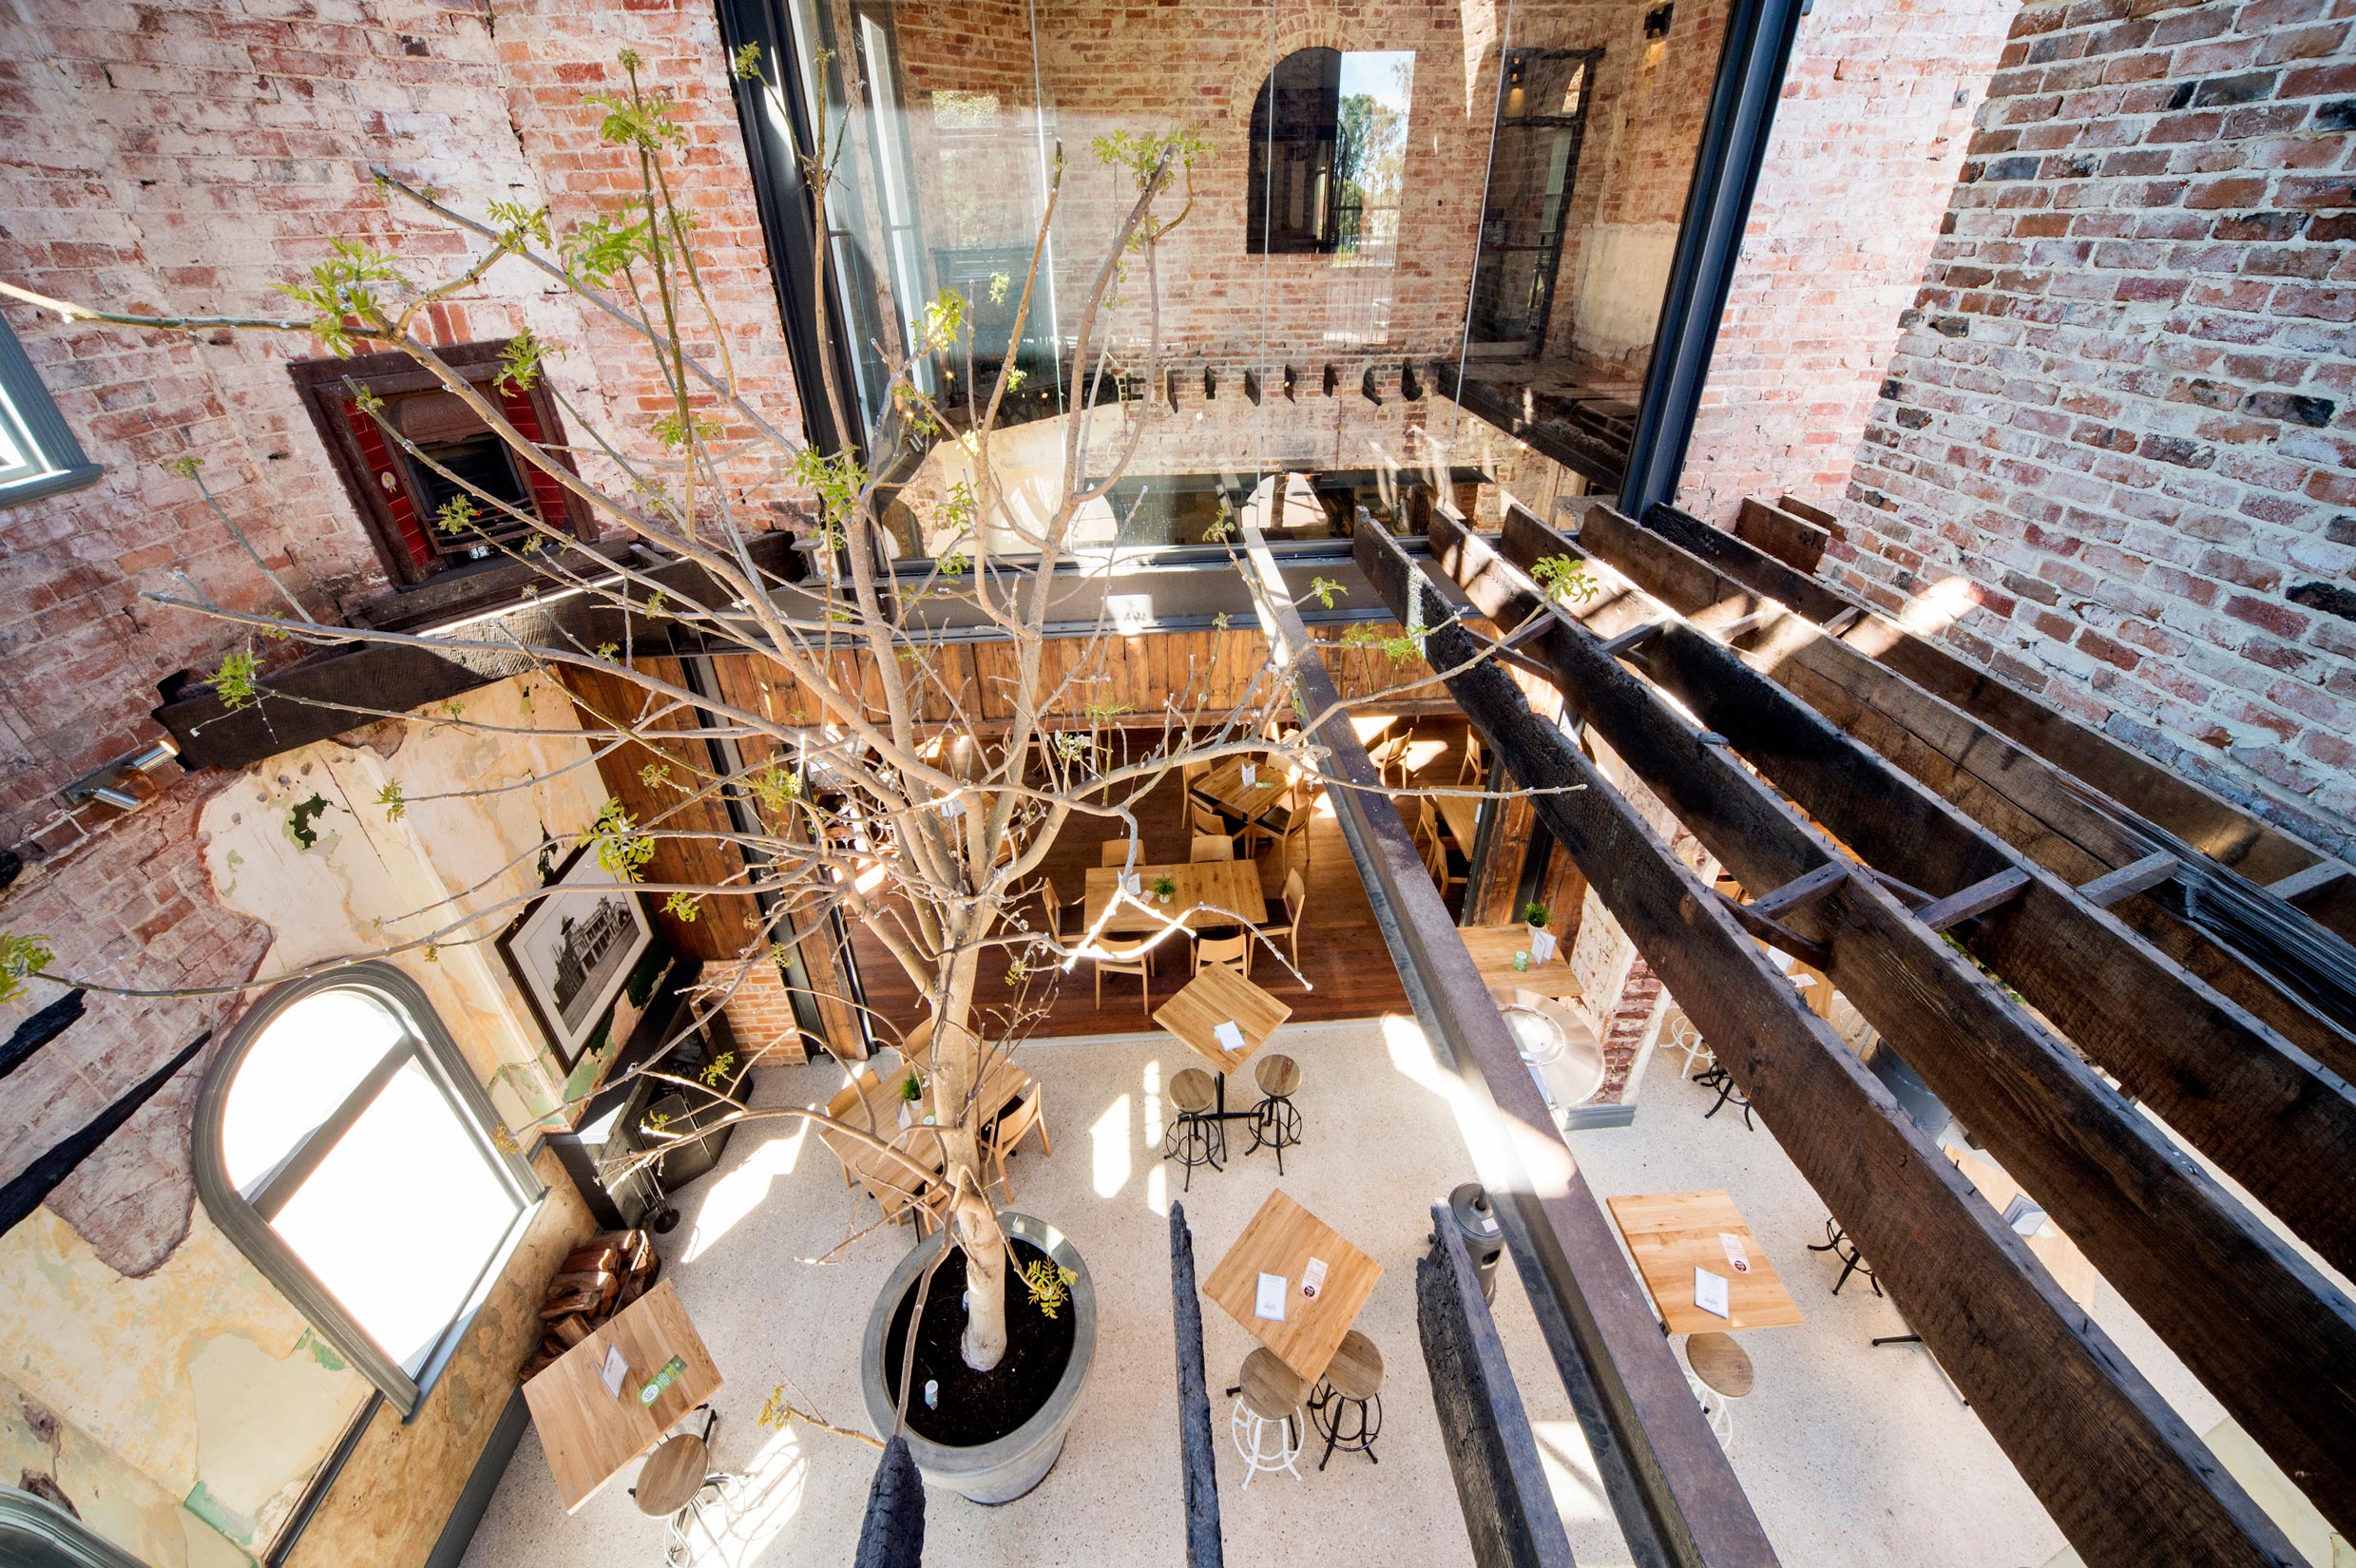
296 1169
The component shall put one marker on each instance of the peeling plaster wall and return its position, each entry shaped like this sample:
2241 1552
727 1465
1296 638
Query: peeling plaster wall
184 1407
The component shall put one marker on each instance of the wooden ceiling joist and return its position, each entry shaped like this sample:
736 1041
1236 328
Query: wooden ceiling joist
2017 795
2121 1472
2267 1112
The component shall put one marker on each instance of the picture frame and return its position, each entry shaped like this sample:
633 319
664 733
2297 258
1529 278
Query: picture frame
572 950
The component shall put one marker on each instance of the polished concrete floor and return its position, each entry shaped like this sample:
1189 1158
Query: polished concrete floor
1849 1453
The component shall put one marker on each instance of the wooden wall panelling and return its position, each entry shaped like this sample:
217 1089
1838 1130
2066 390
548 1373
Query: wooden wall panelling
2124 1477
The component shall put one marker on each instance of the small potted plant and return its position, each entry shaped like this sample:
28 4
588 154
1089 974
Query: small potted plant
911 1095
1541 940
1165 889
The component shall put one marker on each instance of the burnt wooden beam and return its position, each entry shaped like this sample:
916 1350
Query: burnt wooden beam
1332 380
1800 891
1291 385
2216 826
2184 1252
32 1186
2127 881
40 1028
1251 387
1778 936
1671 1487
1501 1484
1631 639
1169 388
1411 384
1198 1456
1210 384
1978 899
1793 541
2123 1475
1367 390
2017 795
2298 885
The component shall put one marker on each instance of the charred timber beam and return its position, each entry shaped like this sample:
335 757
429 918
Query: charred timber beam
1671 1489
2199 1266
2127 881
1775 934
2121 1473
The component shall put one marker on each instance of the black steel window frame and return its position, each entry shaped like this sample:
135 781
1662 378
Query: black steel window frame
43 429
246 1219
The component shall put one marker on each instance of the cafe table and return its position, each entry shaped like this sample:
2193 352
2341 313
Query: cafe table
1223 786
1002 1083
1492 948
1462 812
1217 995
591 1435
1673 1233
1281 1239
1229 890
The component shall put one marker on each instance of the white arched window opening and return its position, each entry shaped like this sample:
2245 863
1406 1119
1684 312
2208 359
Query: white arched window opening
343 1144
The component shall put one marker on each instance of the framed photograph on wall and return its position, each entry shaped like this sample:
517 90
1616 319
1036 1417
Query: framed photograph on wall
573 949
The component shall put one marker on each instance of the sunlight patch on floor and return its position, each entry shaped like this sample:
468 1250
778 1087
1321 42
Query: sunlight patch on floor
1112 1158
756 1507
740 1191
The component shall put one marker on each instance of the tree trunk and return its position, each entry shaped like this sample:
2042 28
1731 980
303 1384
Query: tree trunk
972 1223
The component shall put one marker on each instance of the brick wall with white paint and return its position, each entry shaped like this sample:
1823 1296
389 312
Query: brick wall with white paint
2112 457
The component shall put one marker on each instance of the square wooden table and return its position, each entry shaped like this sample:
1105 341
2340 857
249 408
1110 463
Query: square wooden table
1224 786
1674 1234
592 1436
1462 812
1281 1239
1220 885
1217 995
1002 1083
1492 948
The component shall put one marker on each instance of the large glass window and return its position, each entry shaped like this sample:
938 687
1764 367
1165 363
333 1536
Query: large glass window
38 453
342 1142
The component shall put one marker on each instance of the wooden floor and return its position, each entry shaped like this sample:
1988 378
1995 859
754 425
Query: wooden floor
1341 948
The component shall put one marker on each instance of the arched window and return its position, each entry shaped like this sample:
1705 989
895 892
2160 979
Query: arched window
1328 146
343 1144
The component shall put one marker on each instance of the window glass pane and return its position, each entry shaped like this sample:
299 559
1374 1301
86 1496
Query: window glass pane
18 459
400 1218
306 1064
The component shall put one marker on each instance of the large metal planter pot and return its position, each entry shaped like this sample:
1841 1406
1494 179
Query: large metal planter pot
1001 1471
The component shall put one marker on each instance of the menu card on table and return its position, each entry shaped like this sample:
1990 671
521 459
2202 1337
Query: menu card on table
1269 1302
1710 1293
1229 1037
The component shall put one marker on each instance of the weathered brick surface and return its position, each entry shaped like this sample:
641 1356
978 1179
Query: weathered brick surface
2111 458
190 158
1869 138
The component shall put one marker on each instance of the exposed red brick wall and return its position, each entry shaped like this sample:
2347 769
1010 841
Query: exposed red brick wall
1869 138
190 158
2114 445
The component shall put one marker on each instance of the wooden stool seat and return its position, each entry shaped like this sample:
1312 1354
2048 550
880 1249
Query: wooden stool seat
672 1476
1278 1075
1721 1364
1356 1369
1271 1389
1191 1090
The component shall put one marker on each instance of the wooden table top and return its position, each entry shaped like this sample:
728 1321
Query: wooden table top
1281 1239
1462 812
2057 1252
1217 995
1492 948
1224 784
1674 1234
1002 1083
1218 885
592 1436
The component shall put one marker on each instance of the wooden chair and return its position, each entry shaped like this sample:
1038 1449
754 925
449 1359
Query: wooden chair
1012 1128
1208 823
1052 902
1188 774
1296 895
916 1046
1474 765
1436 850
1114 852
1133 958
1389 755
901 1201
1227 952
1211 847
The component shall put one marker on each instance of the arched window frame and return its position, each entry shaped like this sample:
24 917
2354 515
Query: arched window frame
35 1532
431 1044
1295 127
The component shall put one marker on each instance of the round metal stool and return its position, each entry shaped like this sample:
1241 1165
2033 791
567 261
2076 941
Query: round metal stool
677 1484
1268 1402
1198 1137
1350 1394
1720 1373
1275 1120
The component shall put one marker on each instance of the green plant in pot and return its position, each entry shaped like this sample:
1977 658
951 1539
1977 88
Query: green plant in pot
1541 940
1165 889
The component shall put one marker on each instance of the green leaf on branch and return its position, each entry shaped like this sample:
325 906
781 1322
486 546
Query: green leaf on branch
20 956
745 64
837 481
682 905
1564 580
655 774
622 850
234 682
519 225
456 515
1323 590
520 361
395 803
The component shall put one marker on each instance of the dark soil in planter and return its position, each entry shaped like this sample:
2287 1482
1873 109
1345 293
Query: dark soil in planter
978 1407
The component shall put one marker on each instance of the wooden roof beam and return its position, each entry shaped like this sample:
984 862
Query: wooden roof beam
2121 1472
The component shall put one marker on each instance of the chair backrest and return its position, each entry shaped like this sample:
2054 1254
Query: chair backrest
1296 895
1016 1124
1471 765
1054 901
1211 847
1425 818
1231 953
916 1045
1114 852
1208 821
847 1098
1189 772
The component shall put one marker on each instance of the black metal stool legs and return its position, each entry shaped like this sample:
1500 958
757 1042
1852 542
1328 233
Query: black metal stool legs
1193 1140
1276 1124
1852 1261
1723 1081
1330 1410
